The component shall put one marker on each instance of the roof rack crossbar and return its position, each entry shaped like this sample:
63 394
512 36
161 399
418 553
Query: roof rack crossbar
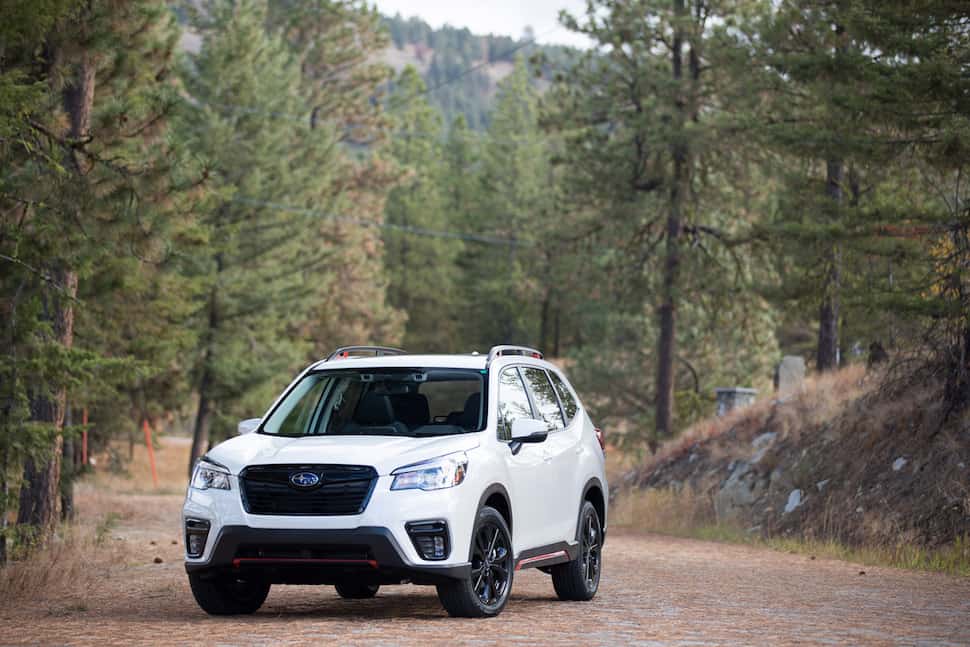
506 349
379 351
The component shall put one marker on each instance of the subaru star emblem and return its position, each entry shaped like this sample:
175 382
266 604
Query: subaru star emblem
304 479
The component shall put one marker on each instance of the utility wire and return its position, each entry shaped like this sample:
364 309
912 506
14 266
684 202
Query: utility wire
408 229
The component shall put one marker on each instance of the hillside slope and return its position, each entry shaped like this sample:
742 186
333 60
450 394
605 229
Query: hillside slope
847 460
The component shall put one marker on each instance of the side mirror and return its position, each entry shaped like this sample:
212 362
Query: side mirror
248 426
527 430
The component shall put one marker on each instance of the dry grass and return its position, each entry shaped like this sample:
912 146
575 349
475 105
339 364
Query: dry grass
685 513
82 553
822 399
171 462
666 511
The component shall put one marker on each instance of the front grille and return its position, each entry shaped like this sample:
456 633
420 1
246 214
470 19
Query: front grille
342 490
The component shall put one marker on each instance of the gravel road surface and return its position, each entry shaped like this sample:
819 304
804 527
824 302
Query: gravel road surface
655 591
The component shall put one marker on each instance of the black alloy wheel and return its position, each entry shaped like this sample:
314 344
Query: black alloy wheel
491 563
486 590
580 578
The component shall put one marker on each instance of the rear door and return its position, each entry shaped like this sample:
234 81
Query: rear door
560 453
529 471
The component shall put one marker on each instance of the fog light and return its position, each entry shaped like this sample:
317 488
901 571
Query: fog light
196 533
430 539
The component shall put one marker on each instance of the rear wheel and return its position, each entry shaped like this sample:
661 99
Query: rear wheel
224 595
486 591
356 590
580 578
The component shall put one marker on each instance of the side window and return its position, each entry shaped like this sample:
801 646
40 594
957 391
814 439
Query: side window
513 402
544 397
569 405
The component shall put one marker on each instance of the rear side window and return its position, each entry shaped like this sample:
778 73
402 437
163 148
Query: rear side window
544 397
569 405
513 402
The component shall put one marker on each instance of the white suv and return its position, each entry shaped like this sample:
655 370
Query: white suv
378 467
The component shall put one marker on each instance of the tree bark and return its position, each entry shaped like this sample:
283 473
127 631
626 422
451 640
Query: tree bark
827 356
203 421
40 491
203 416
667 312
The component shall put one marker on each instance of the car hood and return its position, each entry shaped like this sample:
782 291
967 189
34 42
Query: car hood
384 453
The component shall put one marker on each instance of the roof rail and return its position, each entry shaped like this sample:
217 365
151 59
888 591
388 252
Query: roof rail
379 351
498 351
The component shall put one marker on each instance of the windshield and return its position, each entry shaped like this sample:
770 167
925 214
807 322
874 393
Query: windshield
381 402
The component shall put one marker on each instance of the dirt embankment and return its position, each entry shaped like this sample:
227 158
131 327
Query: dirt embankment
846 460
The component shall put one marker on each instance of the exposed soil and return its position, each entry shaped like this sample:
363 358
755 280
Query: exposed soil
655 590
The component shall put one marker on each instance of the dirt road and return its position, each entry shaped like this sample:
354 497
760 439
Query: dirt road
655 590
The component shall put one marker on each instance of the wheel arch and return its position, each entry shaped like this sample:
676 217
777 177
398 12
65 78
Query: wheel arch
496 496
593 492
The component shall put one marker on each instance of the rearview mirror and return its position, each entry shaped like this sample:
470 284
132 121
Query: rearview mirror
248 426
528 430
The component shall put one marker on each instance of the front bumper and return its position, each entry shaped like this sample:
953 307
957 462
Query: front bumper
318 556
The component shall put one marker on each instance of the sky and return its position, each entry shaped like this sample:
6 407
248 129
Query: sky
508 17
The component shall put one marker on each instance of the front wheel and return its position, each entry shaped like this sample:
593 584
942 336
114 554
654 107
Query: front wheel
485 592
225 595
580 578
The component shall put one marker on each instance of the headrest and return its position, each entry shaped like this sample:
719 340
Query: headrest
412 408
374 409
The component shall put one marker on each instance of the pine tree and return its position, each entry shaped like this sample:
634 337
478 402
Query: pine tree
262 264
85 178
648 115
420 265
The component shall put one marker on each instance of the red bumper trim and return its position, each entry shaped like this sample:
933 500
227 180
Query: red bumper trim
296 561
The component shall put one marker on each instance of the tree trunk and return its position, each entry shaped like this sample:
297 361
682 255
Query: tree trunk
556 333
827 357
667 312
68 469
544 322
203 416
203 421
40 490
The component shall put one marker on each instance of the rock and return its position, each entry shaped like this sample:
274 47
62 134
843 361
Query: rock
762 444
692 458
899 464
738 492
794 500
821 484
859 509
961 465
790 376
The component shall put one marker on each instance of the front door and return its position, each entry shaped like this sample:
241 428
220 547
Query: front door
529 471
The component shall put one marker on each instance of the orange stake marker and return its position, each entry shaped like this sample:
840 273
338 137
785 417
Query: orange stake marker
151 451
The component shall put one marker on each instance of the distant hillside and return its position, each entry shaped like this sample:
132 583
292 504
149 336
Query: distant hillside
444 56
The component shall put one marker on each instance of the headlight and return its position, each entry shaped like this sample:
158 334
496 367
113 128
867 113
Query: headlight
436 474
208 475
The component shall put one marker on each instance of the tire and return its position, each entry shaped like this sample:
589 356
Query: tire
356 590
579 579
224 595
485 592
